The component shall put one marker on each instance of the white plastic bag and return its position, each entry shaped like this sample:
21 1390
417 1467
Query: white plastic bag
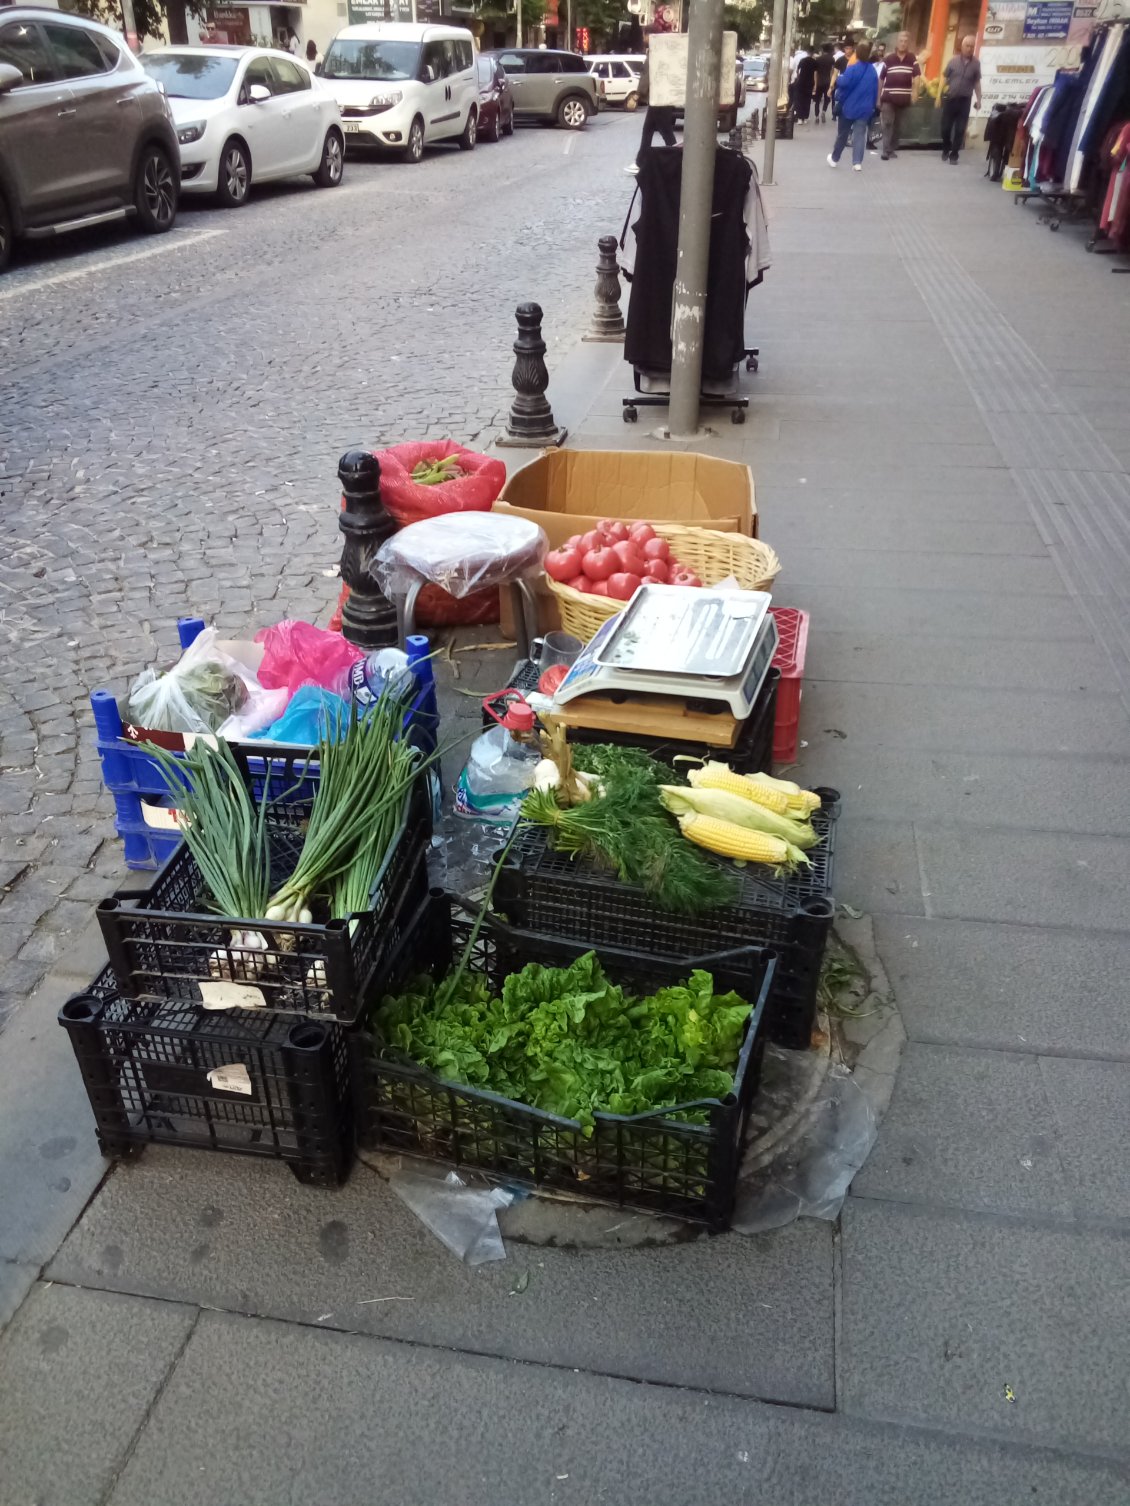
158 701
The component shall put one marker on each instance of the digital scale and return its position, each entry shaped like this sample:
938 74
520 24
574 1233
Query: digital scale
678 661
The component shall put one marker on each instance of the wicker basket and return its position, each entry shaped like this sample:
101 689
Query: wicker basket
712 556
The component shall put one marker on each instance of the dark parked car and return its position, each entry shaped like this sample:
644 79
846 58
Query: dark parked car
549 85
86 136
496 102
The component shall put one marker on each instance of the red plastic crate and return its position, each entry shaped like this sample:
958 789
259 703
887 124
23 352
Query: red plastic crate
792 634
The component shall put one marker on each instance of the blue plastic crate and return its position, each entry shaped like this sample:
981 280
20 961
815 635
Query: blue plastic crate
140 793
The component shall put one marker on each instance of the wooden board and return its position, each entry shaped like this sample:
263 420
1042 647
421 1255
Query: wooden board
652 716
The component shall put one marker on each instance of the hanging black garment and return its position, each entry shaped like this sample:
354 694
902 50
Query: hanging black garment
647 343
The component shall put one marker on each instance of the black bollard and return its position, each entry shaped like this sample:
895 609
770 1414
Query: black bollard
531 424
367 619
607 320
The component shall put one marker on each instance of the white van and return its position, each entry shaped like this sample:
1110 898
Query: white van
401 86
620 76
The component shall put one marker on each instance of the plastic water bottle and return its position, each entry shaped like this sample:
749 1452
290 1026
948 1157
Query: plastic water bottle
500 768
369 676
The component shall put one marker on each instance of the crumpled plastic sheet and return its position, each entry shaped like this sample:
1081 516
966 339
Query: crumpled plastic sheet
464 1217
464 862
836 1132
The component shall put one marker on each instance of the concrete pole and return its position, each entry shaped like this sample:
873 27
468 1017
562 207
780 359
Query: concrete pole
778 67
518 22
700 141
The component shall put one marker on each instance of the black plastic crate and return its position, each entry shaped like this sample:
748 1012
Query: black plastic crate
242 1081
553 893
751 754
163 943
655 1161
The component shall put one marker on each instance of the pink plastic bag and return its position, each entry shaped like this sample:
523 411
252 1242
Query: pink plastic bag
409 502
298 653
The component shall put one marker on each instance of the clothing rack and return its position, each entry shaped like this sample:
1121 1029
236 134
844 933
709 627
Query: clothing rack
739 256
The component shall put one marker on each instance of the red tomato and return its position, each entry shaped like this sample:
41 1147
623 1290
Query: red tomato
563 564
613 531
590 540
640 533
623 585
552 678
629 556
656 570
572 542
598 588
684 577
656 548
599 564
579 583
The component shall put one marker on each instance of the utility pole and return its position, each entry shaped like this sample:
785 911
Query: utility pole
518 22
778 67
700 141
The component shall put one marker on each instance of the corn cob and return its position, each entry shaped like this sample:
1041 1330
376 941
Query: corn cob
799 802
731 841
737 810
717 776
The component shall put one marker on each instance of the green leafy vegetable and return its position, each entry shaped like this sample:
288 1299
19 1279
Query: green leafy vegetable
571 1042
626 828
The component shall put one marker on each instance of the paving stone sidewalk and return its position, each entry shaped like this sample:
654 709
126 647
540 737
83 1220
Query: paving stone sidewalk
206 1330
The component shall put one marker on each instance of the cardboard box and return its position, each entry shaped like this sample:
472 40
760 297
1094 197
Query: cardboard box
569 491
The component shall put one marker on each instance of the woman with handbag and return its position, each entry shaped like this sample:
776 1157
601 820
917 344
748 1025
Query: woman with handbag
857 89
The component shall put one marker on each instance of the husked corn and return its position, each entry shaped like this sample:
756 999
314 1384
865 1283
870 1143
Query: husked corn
717 776
735 808
731 841
798 802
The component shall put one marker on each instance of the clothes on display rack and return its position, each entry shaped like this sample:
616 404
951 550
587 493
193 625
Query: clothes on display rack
739 256
1114 220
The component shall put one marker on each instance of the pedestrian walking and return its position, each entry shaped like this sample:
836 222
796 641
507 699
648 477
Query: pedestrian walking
803 87
857 89
898 88
962 89
313 56
822 92
659 118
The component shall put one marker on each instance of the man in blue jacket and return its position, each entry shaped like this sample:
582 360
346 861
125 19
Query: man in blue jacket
857 90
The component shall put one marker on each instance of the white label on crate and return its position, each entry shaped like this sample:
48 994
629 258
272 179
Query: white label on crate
232 1079
192 738
225 995
160 816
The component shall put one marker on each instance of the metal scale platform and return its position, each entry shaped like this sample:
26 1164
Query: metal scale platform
678 662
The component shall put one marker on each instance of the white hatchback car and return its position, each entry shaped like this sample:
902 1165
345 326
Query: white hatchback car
244 114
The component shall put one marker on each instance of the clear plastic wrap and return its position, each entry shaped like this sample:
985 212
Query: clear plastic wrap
460 552
465 1218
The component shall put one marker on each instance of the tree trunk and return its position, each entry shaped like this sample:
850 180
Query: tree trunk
177 14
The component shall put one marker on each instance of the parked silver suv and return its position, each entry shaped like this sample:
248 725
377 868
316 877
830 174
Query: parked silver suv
85 135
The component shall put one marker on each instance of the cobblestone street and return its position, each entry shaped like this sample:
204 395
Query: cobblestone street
173 416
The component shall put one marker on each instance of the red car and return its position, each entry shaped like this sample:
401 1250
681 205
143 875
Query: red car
496 102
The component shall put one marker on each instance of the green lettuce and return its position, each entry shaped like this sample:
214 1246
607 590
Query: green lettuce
569 1041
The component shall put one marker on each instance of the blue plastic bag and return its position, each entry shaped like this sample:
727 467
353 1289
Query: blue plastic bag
308 717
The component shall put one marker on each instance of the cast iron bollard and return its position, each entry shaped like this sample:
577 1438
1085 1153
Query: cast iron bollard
531 423
607 320
367 618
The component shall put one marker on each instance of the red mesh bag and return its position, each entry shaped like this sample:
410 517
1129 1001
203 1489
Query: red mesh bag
408 501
